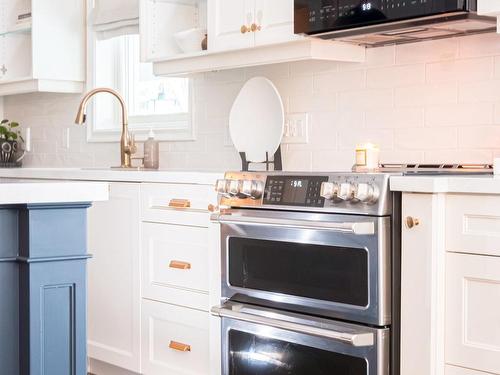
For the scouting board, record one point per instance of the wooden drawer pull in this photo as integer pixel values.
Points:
(180, 265)
(179, 346)
(179, 203)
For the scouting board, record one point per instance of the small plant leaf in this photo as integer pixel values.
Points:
(14, 124)
(4, 121)
(3, 130)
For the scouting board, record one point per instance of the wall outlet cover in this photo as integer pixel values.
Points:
(296, 128)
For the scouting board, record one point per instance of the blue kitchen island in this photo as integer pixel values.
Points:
(43, 256)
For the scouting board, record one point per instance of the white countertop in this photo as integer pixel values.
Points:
(14, 191)
(471, 184)
(161, 176)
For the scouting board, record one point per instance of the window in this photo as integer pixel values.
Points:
(159, 103)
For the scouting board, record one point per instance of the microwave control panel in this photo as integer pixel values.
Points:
(316, 16)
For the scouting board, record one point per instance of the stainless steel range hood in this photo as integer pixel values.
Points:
(415, 30)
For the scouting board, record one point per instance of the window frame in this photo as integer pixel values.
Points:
(180, 127)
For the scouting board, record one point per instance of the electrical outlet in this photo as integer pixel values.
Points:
(296, 128)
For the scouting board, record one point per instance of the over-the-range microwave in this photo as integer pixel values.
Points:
(375, 23)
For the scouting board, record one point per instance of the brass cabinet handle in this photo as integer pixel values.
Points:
(411, 222)
(179, 346)
(179, 203)
(255, 27)
(180, 265)
(244, 29)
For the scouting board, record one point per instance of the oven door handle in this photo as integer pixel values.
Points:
(361, 228)
(358, 339)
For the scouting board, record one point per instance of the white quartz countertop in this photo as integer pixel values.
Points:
(14, 191)
(472, 184)
(161, 176)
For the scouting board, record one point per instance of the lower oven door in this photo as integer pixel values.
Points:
(336, 266)
(263, 341)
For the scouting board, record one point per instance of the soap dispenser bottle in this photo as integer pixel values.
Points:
(151, 152)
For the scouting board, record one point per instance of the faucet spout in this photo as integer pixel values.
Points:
(127, 142)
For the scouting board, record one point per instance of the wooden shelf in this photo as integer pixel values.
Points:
(304, 49)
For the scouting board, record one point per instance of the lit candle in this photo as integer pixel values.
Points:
(367, 156)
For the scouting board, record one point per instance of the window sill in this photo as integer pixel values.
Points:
(172, 134)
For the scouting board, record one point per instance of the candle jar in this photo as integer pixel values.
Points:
(367, 156)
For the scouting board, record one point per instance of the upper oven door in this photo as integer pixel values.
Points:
(330, 265)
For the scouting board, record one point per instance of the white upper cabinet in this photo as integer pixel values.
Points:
(230, 23)
(240, 33)
(235, 24)
(42, 46)
(274, 20)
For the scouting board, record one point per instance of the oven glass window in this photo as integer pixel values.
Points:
(329, 273)
(255, 355)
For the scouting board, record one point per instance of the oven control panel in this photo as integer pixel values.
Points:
(295, 191)
(345, 192)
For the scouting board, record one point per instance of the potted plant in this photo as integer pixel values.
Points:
(10, 136)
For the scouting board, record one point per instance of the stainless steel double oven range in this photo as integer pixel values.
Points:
(310, 274)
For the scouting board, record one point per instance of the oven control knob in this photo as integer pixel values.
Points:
(234, 188)
(222, 187)
(346, 191)
(366, 193)
(251, 189)
(257, 189)
(329, 190)
(246, 188)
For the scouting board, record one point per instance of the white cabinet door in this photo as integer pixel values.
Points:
(114, 300)
(275, 19)
(488, 7)
(422, 286)
(175, 340)
(472, 312)
(175, 264)
(225, 20)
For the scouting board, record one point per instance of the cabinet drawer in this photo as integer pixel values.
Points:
(175, 264)
(473, 224)
(175, 340)
(163, 203)
(472, 312)
(453, 370)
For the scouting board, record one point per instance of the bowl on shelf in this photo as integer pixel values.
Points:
(190, 40)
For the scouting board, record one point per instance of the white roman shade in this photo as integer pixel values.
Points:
(113, 18)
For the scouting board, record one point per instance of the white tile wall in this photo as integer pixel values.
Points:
(429, 102)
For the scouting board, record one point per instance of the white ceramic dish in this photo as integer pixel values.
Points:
(190, 40)
(257, 119)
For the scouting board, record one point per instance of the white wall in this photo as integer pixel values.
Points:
(428, 102)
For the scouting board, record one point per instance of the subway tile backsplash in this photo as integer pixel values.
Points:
(430, 102)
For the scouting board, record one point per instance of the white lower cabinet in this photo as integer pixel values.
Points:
(174, 264)
(450, 309)
(454, 370)
(473, 312)
(114, 295)
(149, 280)
(175, 340)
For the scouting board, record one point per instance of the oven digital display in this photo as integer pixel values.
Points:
(295, 191)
